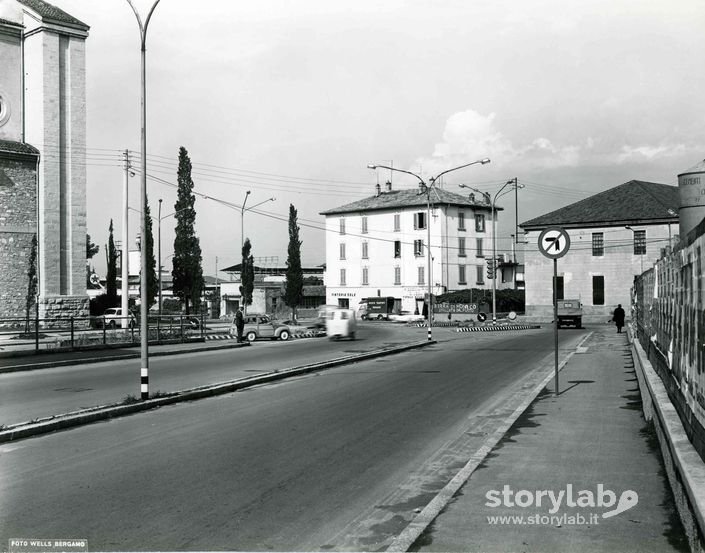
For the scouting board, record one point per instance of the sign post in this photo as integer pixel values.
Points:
(554, 242)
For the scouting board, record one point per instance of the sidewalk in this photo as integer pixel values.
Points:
(592, 436)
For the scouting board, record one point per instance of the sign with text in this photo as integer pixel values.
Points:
(448, 307)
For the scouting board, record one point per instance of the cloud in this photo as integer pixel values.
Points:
(632, 154)
(470, 135)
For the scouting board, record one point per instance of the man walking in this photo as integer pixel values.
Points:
(618, 318)
(239, 324)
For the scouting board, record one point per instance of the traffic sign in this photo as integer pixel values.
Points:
(554, 242)
(95, 279)
(481, 317)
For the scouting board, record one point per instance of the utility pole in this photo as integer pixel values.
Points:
(124, 298)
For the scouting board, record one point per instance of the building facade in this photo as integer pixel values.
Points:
(379, 247)
(615, 235)
(42, 158)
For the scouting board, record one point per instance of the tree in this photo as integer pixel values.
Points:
(32, 281)
(187, 271)
(247, 274)
(91, 250)
(294, 291)
(152, 280)
(111, 276)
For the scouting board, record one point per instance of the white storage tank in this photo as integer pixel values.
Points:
(691, 188)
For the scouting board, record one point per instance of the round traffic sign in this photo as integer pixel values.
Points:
(95, 279)
(554, 242)
(481, 317)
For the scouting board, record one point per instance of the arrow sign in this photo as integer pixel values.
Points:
(554, 242)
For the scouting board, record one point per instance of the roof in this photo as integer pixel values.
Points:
(629, 202)
(50, 12)
(395, 199)
(272, 270)
(18, 147)
(11, 23)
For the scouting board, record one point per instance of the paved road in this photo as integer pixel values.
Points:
(335, 460)
(25, 396)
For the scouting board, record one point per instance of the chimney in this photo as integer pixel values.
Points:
(388, 186)
(378, 190)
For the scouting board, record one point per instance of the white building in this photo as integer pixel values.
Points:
(614, 236)
(378, 246)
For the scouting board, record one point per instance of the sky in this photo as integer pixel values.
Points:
(292, 100)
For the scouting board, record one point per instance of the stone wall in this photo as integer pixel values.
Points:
(18, 223)
(57, 311)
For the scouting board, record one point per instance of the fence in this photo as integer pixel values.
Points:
(86, 332)
(668, 308)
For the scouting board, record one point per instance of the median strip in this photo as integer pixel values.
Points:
(104, 412)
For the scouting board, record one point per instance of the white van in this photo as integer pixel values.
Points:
(341, 323)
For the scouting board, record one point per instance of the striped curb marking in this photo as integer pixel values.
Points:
(495, 328)
(292, 336)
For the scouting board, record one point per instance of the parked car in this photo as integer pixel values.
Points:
(570, 312)
(341, 323)
(112, 318)
(406, 317)
(261, 326)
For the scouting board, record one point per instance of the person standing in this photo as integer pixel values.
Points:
(239, 324)
(618, 318)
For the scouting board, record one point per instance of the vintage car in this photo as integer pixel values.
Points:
(262, 326)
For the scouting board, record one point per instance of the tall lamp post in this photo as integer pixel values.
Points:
(427, 190)
(144, 333)
(242, 216)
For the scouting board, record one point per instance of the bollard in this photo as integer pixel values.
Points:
(202, 324)
(104, 340)
(182, 328)
(36, 325)
(72, 346)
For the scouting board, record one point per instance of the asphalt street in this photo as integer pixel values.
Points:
(335, 460)
(25, 396)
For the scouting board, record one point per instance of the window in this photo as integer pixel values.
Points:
(422, 271)
(559, 288)
(365, 276)
(461, 220)
(480, 274)
(342, 226)
(598, 244)
(639, 242)
(397, 222)
(598, 290)
(364, 251)
(461, 274)
(479, 222)
(364, 224)
(478, 252)
(342, 251)
(397, 276)
(418, 248)
(342, 277)
(420, 220)
(461, 247)
(397, 248)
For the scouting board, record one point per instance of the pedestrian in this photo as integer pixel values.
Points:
(239, 324)
(618, 318)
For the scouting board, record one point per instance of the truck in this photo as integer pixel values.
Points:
(570, 312)
(377, 308)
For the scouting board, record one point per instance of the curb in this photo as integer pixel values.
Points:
(117, 357)
(685, 462)
(493, 328)
(428, 514)
(104, 412)
(292, 336)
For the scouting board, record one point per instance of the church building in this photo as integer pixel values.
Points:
(42, 158)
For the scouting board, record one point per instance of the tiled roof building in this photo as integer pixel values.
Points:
(614, 235)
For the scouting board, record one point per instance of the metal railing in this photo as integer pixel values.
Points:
(74, 333)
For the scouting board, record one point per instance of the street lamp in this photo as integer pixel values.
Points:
(144, 333)
(494, 247)
(242, 216)
(427, 190)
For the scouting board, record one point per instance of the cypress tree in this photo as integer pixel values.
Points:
(294, 291)
(32, 281)
(111, 276)
(247, 274)
(148, 250)
(187, 272)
